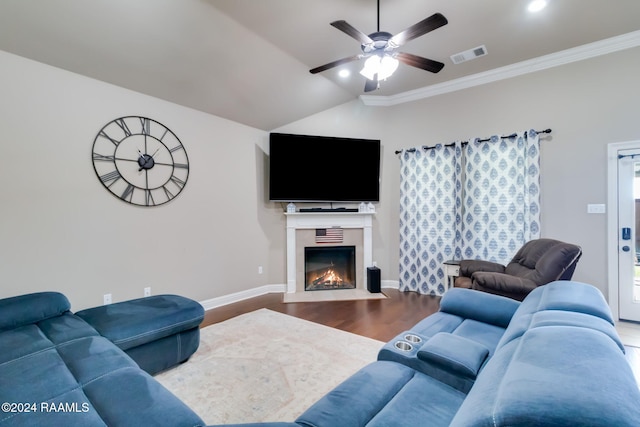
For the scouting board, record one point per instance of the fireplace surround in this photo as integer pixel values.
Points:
(301, 232)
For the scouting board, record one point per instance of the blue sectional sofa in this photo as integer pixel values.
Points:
(554, 359)
(57, 370)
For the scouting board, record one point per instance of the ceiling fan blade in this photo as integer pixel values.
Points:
(335, 64)
(431, 23)
(371, 85)
(346, 28)
(420, 62)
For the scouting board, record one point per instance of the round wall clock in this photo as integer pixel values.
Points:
(140, 161)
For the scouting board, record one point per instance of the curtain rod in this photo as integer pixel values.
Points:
(425, 147)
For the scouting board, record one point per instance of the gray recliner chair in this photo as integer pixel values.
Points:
(537, 263)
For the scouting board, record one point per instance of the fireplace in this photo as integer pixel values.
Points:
(329, 268)
(302, 232)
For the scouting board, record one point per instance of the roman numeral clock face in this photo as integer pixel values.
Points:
(140, 161)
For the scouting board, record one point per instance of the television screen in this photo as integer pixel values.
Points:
(304, 168)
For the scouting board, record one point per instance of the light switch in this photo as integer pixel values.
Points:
(596, 208)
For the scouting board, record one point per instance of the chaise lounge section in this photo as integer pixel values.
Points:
(157, 332)
(57, 370)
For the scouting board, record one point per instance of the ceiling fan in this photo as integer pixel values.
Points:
(380, 49)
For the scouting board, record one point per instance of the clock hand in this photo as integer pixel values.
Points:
(144, 160)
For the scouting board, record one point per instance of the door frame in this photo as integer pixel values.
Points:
(612, 222)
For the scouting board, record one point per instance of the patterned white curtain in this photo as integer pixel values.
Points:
(501, 204)
(429, 220)
(480, 200)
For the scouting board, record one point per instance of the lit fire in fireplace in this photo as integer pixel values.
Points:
(328, 278)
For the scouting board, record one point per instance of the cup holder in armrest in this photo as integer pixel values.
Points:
(403, 346)
(413, 338)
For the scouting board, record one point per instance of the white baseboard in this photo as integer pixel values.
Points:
(263, 290)
(393, 284)
(243, 295)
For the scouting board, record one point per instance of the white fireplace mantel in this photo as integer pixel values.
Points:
(312, 220)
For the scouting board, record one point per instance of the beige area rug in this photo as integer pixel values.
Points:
(330, 295)
(266, 366)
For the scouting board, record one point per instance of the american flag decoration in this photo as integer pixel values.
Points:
(329, 235)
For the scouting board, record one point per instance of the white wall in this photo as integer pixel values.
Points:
(62, 230)
(587, 104)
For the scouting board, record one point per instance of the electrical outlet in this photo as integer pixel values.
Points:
(147, 291)
(259, 269)
(106, 299)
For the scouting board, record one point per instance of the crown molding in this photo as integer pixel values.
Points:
(587, 51)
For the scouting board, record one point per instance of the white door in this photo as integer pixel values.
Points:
(628, 234)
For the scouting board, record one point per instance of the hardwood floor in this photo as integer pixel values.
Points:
(378, 319)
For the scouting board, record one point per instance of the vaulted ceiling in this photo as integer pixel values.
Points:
(249, 60)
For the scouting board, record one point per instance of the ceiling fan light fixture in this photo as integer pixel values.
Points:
(388, 66)
(383, 67)
(371, 67)
(537, 5)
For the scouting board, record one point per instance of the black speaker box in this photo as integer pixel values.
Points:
(373, 279)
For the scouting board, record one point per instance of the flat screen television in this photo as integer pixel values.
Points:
(305, 168)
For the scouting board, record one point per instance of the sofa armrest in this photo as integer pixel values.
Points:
(454, 354)
(358, 399)
(31, 308)
(483, 307)
(503, 282)
(470, 266)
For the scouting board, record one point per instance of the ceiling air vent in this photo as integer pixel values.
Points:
(468, 55)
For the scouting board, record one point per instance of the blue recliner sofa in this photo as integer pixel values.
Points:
(554, 359)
